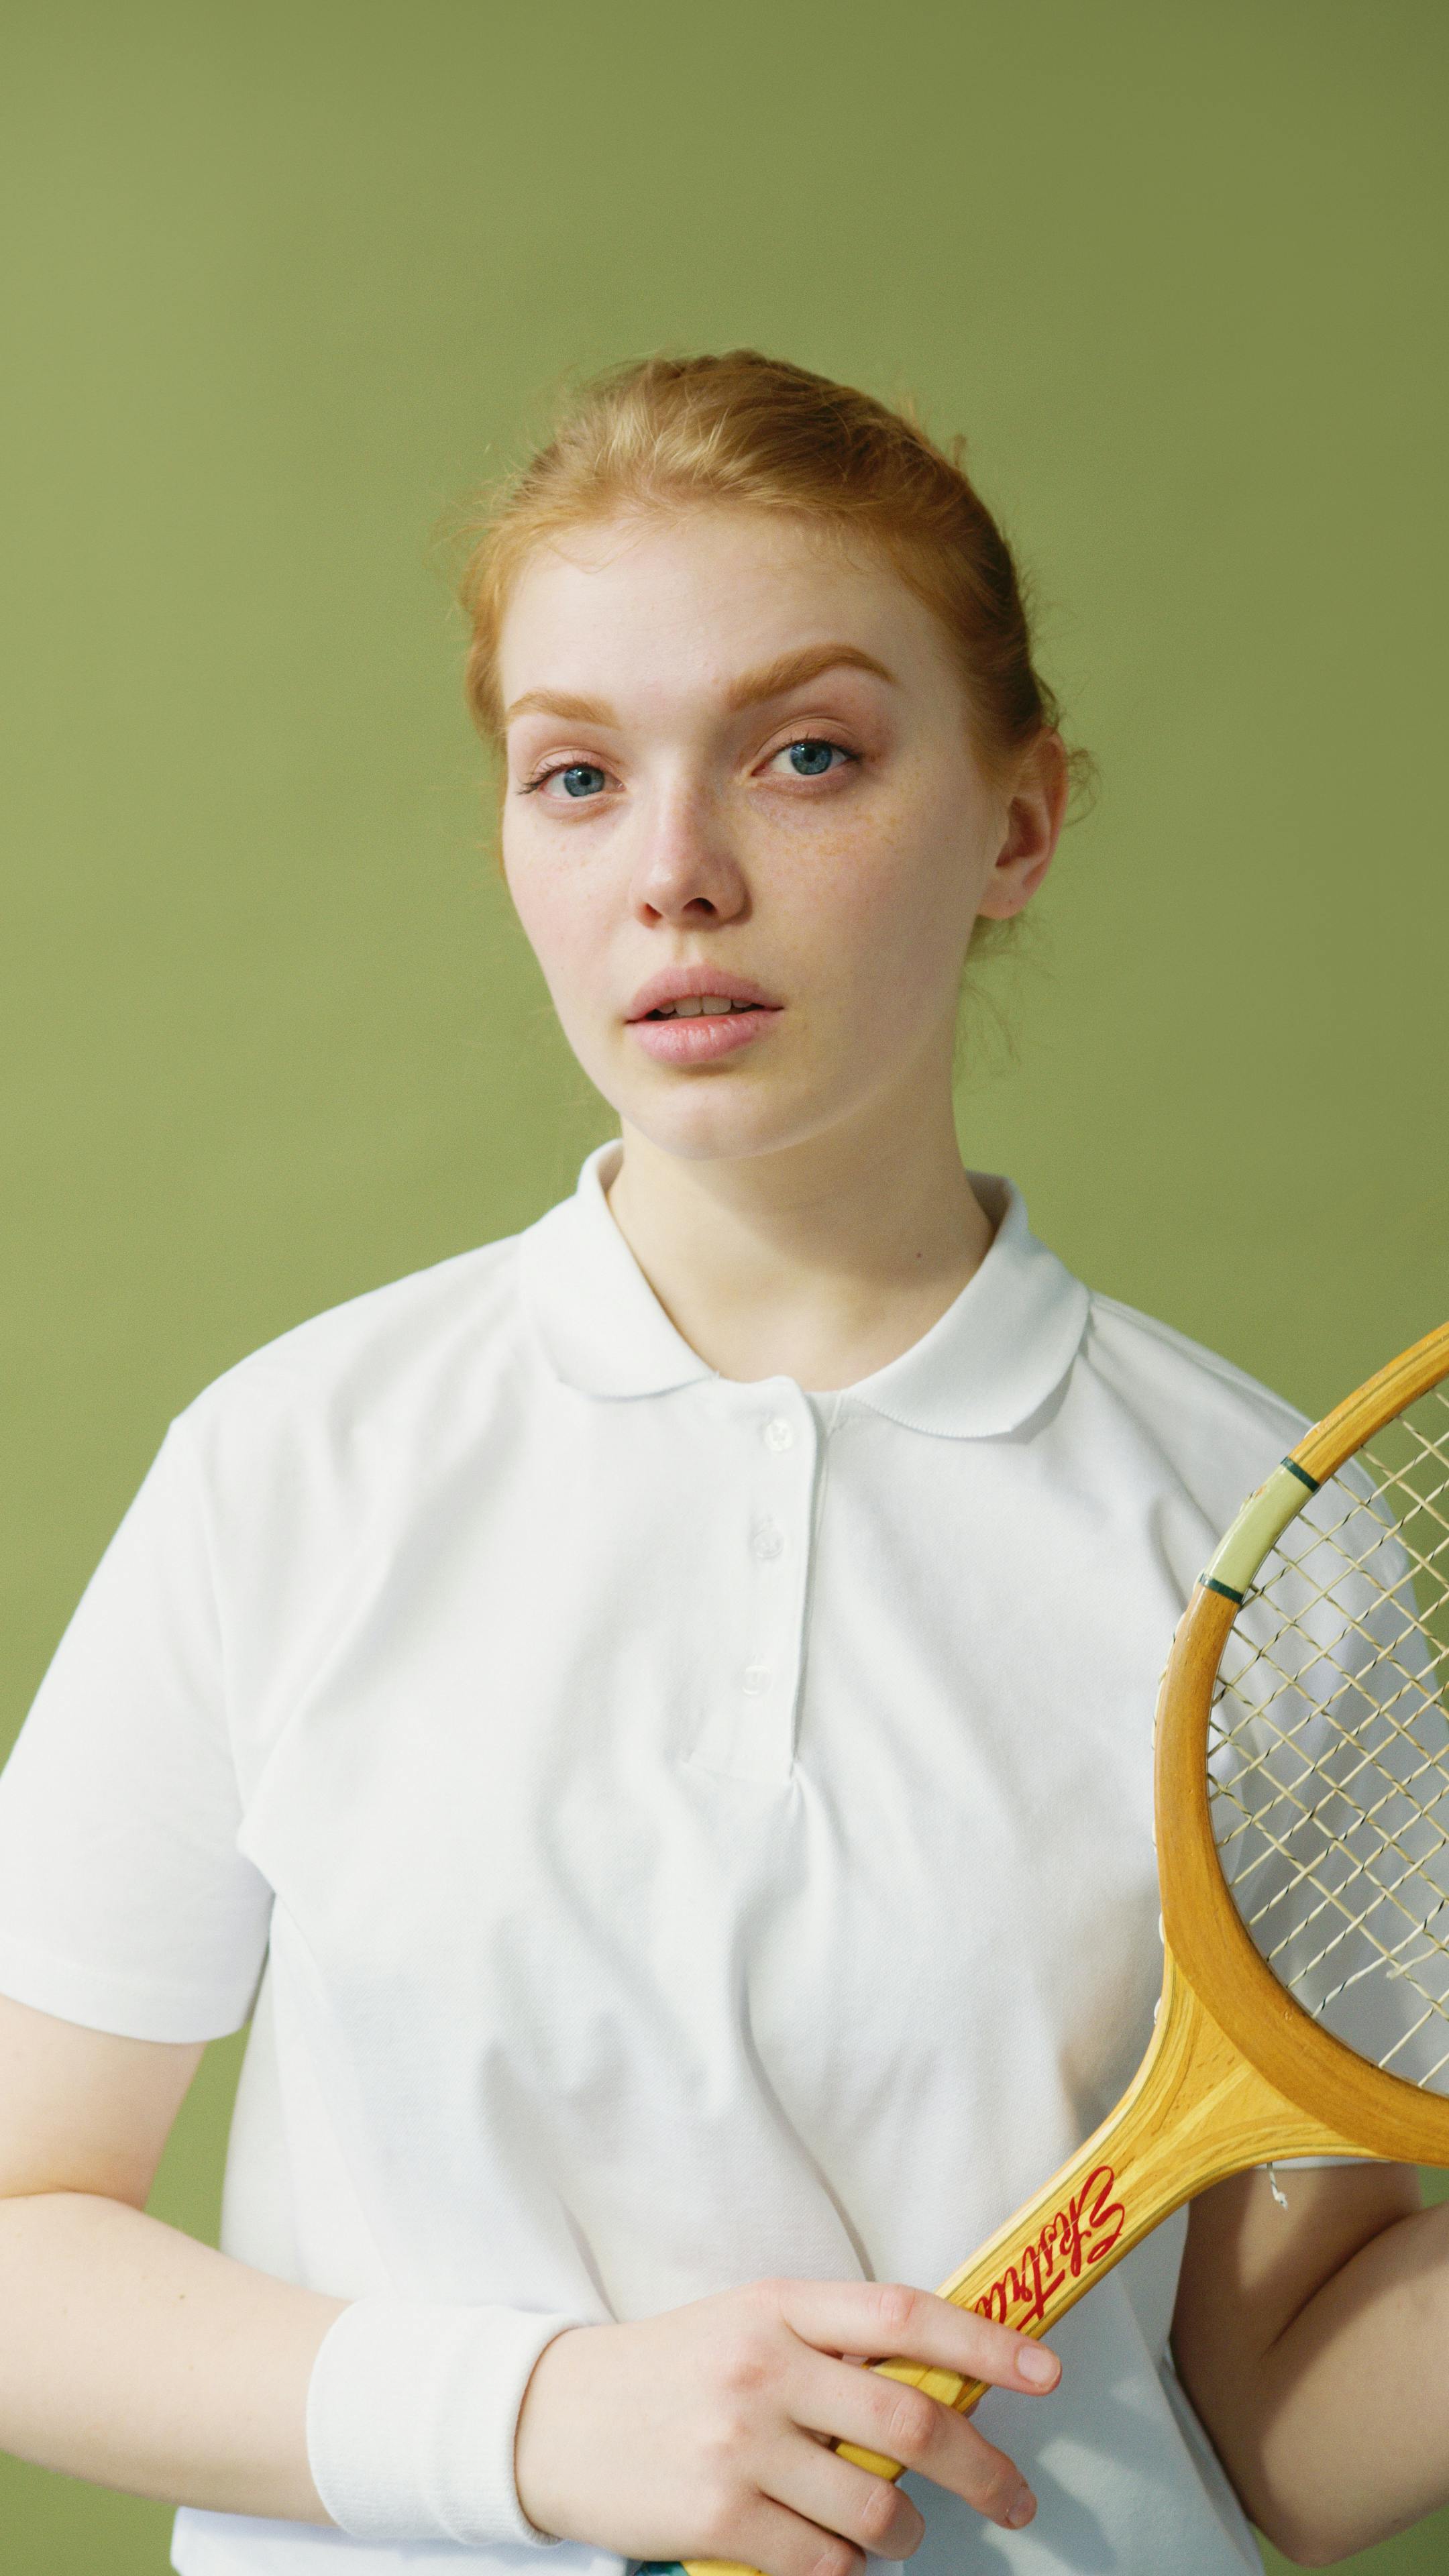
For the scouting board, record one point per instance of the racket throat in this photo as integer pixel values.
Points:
(1196, 2113)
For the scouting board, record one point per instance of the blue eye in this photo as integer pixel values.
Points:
(582, 778)
(811, 759)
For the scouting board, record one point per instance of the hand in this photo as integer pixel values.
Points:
(703, 2433)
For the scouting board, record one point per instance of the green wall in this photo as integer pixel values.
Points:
(284, 281)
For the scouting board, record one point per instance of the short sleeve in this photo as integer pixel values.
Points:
(125, 1903)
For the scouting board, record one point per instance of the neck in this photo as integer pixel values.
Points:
(821, 1261)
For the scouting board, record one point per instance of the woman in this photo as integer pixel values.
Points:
(655, 1714)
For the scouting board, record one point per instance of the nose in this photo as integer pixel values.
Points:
(687, 874)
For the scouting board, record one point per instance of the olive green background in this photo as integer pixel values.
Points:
(283, 282)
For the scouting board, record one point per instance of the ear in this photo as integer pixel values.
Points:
(1036, 809)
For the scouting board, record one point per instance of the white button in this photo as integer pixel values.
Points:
(779, 1434)
(767, 1539)
(756, 1680)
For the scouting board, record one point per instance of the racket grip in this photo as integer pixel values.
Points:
(961, 2394)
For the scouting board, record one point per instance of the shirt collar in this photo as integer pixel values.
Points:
(987, 1364)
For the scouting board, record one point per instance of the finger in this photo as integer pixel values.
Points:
(781, 2543)
(828, 2490)
(887, 2319)
(901, 2423)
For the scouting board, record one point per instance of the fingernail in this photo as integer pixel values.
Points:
(1034, 2364)
(1022, 2511)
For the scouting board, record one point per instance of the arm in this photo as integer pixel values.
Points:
(131, 2355)
(137, 2358)
(1312, 2343)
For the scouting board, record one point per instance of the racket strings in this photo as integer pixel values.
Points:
(1329, 1752)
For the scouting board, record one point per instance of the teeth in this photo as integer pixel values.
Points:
(708, 1005)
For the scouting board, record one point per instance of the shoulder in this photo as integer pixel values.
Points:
(1215, 1428)
(418, 1349)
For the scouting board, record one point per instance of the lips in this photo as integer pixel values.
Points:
(693, 1015)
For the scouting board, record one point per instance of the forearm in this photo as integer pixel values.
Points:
(134, 2357)
(1339, 2435)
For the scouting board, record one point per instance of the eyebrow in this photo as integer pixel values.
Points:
(772, 680)
(557, 702)
(792, 670)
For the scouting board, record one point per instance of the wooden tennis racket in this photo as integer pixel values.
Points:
(1302, 1804)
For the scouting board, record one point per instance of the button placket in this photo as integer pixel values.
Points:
(750, 1732)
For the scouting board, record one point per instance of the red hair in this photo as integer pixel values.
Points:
(746, 429)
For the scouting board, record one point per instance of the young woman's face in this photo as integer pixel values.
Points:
(744, 827)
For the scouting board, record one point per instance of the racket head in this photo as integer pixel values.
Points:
(1302, 1787)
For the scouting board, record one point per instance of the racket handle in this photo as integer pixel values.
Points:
(1195, 2112)
(962, 2394)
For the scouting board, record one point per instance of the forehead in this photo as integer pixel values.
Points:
(696, 596)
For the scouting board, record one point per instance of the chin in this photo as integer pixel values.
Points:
(720, 1130)
(722, 1113)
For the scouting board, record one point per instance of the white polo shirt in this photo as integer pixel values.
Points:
(671, 1830)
